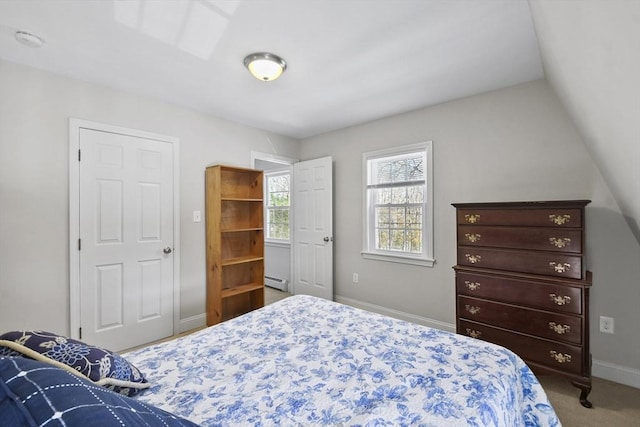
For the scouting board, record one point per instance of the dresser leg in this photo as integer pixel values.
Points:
(585, 390)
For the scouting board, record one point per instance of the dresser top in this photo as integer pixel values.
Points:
(525, 204)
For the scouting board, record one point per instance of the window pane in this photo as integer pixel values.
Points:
(382, 217)
(399, 195)
(415, 194)
(382, 172)
(383, 196)
(282, 231)
(397, 240)
(388, 171)
(415, 168)
(279, 231)
(414, 241)
(393, 169)
(278, 203)
(279, 198)
(397, 218)
(273, 231)
(278, 183)
(382, 239)
(398, 170)
(279, 216)
(414, 217)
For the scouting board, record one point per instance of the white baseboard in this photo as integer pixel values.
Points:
(616, 373)
(432, 323)
(600, 369)
(193, 322)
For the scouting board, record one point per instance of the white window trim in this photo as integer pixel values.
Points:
(426, 259)
(270, 241)
(276, 243)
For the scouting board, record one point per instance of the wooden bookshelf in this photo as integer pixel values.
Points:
(235, 242)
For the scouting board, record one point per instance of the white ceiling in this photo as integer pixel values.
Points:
(349, 61)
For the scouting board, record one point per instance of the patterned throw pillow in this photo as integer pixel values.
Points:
(34, 393)
(101, 366)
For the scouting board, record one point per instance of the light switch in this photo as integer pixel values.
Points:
(197, 216)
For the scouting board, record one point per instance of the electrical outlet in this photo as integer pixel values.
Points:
(355, 277)
(606, 324)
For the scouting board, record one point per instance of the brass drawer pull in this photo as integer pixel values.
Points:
(473, 237)
(559, 329)
(472, 218)
(560, 357)
(560, 299)
(559, 242)
(472, 286)
(559, 267)
(559, 219)
(472, 309)
(473, 259)
(473, 333)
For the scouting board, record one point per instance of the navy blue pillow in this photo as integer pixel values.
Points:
(101, 366)
(34, 393)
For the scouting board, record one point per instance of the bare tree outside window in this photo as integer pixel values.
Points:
(397, 208)
(278, 205)
(399, 202)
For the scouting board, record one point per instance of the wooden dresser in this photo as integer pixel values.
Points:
(521, 283)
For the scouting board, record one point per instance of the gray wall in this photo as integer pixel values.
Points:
(513, 144)
(34, 149)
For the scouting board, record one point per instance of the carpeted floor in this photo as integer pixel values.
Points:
(614, 405)
(272, 295)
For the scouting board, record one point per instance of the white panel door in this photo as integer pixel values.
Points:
(313, 228)
(126, 239)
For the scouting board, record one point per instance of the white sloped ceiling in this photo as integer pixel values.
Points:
(591, 56)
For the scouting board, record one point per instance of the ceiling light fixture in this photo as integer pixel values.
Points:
(265, 66)
(28, 39)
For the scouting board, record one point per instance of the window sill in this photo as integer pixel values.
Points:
(400, 259)
(277, 243)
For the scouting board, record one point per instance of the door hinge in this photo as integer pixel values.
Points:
(79, 244)
(79, 333)
(79, 156)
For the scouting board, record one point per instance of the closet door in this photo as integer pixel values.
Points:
(126, 242)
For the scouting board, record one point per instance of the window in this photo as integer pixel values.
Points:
(277, 195)
(398, 205)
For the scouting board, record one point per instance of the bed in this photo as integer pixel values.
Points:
(308, 361)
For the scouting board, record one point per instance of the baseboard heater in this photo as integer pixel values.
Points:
(275, 282)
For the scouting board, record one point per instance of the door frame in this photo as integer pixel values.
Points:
(75, 125)
(285, 161)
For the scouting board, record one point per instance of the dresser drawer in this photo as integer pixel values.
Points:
(558, 217)
(545, 352)
(545, 263)
(536, 238)
(555, 326)
(531, 293)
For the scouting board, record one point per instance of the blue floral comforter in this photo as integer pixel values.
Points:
(307, 361)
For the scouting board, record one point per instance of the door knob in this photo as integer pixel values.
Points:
(167, 250)
(328, 239)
